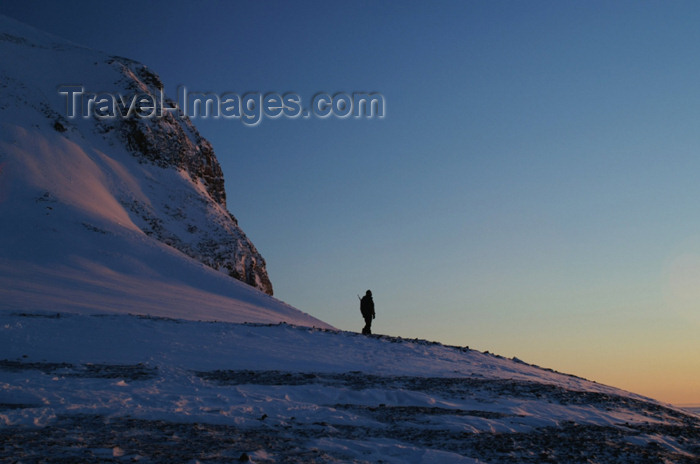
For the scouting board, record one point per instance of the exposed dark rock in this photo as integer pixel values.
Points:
(168, 140)
(171, 141)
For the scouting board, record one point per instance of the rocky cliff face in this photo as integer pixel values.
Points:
(169, 139)
(160, 170)
(172, 141)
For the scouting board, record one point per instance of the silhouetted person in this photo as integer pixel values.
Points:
(367, 310)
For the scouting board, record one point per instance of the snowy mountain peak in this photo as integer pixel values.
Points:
(204, 229)
(111, 201)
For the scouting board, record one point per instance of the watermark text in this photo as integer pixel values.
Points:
(250, 107)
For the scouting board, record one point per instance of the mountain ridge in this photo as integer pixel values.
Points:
(31, 98)
(114, 215)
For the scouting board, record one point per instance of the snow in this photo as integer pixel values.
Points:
(89, 228)
(349, 397)
(116, 345)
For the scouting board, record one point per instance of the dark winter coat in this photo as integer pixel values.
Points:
(367, 307)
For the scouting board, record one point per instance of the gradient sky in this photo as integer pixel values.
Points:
(532, 191)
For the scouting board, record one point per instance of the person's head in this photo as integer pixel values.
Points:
(369, 293)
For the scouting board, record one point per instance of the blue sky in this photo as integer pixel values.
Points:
(532, 189)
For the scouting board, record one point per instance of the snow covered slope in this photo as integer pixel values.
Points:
(117, 254)
(114, 214)
(118, 388)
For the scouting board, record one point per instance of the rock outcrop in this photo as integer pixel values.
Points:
(174, 192)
